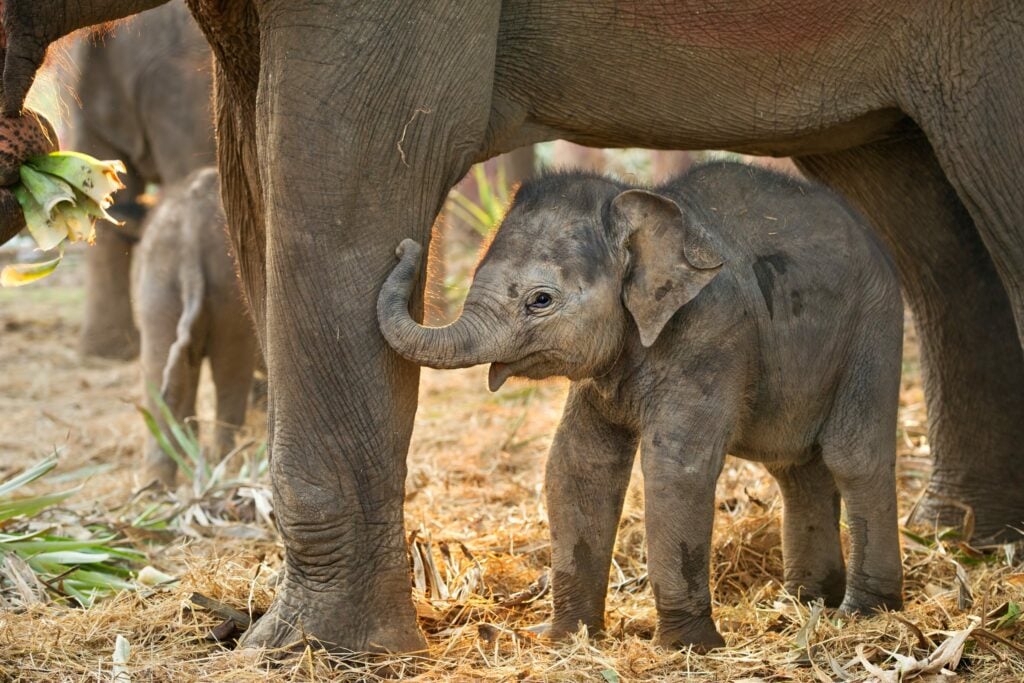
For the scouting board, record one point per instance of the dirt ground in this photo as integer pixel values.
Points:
(474, 488)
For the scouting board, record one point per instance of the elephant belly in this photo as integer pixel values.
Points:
(668, 83)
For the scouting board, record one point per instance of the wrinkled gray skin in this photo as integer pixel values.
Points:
(145, 99)
(189, 305)
(732, 310)
(342, 126)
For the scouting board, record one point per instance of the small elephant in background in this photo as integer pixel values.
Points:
(731, 310)
(189, 306)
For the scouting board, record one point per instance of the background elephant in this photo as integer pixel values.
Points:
(341, 127)
(145, 99)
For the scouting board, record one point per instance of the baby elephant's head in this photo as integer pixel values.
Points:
(550, 296)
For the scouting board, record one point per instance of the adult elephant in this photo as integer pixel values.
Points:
(145, 95)
(341, 126)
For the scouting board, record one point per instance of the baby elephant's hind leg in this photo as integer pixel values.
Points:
(859, 447)
(232, 353)
(812, 551)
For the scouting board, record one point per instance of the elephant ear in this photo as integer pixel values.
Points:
(671, 258)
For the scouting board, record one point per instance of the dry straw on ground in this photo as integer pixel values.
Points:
(476, 517)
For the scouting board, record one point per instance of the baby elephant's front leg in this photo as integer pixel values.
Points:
(586, 480)
(679, 487)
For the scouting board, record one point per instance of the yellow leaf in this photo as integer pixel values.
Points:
(18, 274)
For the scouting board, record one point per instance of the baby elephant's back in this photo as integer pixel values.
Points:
(811, 276)
(206, 228)
(794, 243)
(185, 254)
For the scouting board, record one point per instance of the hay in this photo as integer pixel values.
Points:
(476, 510)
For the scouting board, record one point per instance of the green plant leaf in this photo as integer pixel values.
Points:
(84, 569)
(27, 507)
(47, 190)
(184, 436)
(18, 274)
(917, 538)
(47, 231)
(72, 557)
(27, 476)
(472, 213)
(1013, 613)
(90, 176)
(165, 445)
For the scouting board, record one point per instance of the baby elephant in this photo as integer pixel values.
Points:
(189, 306)
(732, 310)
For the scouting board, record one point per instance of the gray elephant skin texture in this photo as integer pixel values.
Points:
(732, 310)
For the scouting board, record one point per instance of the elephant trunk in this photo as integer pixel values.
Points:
(27, 27)
(458, 345)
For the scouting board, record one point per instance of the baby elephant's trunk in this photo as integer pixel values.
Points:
(458, 345)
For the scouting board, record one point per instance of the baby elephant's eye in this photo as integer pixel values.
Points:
(538, 301)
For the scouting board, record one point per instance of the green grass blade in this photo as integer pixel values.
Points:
(184, 436)
(478, 215)
(483, 187)
(31, 474)
(165, 445)
(72, 557)
(27, 507)
(52, 545)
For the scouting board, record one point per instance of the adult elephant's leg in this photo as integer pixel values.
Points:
(366, 115)
(973, 366)
(108, 327)
(968, 96)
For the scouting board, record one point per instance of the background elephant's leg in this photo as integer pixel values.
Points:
(972, 363)
(366, 117)
(108, 328)
(159, 307)
(232, 352)
(585, 483)
(812, 552)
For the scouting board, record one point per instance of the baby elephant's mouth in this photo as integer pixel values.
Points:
(497, 374)
(537, 365)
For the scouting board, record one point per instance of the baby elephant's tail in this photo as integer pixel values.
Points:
(185, 352)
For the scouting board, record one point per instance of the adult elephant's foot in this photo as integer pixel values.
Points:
(114, 343)
(564, 628)
(300, 616)
(698, 633)
(830, 589)
(990, 510)
(860, 601)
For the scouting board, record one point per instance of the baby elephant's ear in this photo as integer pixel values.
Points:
(671, 258)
